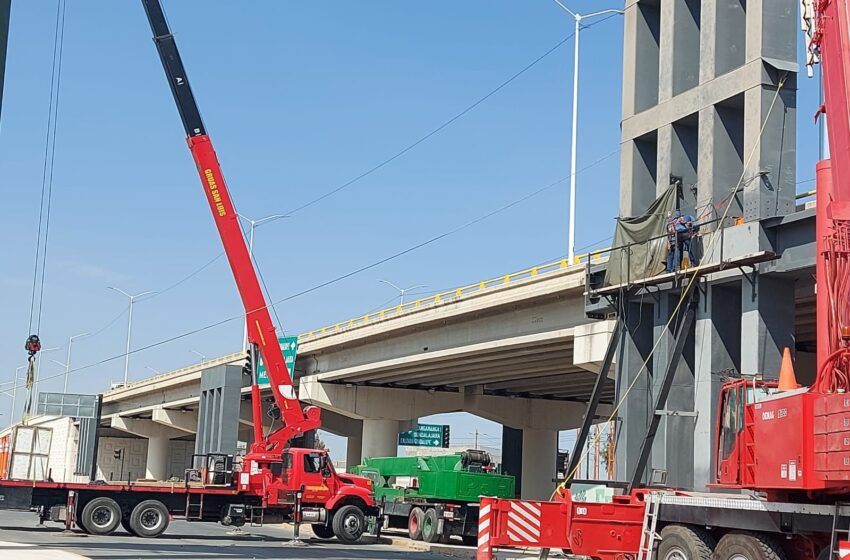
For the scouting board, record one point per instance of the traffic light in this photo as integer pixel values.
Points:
(445, 437)
(248, 368)
(117, 453)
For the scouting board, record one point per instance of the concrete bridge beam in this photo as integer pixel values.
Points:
(186, 421)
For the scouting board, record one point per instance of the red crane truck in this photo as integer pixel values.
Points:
(782, 474)
(276, 482)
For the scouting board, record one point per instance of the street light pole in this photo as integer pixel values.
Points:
(571, 253)
(37, 372)
(402, 291)
(14, 395)
(253, 224)
(68, 359)
(132, 299)
(203, 358)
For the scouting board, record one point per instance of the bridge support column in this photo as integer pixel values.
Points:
(156, 466)
(539, 455)
(159, 442)
(354, 451)
(380, 438)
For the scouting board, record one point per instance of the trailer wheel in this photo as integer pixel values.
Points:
(101, 516)
(414, 524)
(348, 524)
(679, 542)
(149, 519)
(430, 524)
(322, 531)
(742, 545)
(125, 523)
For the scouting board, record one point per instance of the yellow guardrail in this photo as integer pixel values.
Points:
(455, 294)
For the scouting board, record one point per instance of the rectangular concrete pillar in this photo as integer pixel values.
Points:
(717, 350)
(633, 416)
(380, 438)
(512, 455)
(353, 451)
(219, 409)
(539, 456)
(156, 467)
(767, 323)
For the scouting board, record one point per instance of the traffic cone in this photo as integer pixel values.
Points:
(787, 379)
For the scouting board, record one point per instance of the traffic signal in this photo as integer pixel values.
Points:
(445, 437)
(248, 368)
(117, 453)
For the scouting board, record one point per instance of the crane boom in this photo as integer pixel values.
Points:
(261, 331)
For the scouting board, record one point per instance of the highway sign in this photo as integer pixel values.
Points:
(426, 435)
(289, 345)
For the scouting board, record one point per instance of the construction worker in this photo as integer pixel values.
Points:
(673, 257)
(681, 238)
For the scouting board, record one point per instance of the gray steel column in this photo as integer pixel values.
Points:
(767, 323)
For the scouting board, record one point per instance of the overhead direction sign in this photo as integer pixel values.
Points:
(289, 346)
(426, 435)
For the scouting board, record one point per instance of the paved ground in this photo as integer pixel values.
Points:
(183, 541)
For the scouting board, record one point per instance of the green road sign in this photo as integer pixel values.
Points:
(289, 345)
(426, 435)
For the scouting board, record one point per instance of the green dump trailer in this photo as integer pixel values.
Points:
(435, 497)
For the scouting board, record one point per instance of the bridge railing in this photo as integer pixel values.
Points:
(457, 293)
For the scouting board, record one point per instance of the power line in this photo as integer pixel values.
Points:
(436, 130)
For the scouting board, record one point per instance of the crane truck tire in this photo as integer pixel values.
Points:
(101, 516)
(149, 519)
(348, 524)
(414, 524)
(742, 545)
(322, 531)
(680, 542)
(430, 526)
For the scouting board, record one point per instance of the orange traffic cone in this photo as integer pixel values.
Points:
(787, 379)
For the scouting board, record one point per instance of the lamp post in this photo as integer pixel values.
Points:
(14, 394)
(37, 372)
(68, 359)
(402, 291)
(203, 358)
(132, 299)
(254, 224)
(578, 19)
(154, 370)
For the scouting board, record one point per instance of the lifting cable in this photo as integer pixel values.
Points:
(694, 277)
(33, 344)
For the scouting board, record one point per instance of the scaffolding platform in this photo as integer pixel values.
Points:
(678, 278)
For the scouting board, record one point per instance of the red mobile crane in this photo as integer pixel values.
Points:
(784, 453)
(277, 482)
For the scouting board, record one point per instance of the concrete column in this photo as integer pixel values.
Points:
(767, 323)
(156, 467)
(380, 438)
(633, 416)
(539, 455)
(718, 348)
(354, 451)
(512, 455)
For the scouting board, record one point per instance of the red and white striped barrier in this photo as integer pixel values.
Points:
(485, 513)
(844, 550)
(523, 525)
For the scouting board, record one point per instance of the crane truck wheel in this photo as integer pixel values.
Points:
(149, 519)
(414, 524)
(348, 524)
(430, 524)
(322, 531)
(101, 516)
(679, 542)
(740, 545)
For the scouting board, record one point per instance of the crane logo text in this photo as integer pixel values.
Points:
(219, 206)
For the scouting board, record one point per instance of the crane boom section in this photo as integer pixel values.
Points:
(261, 330)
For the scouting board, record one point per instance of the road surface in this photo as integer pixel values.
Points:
(184, 541)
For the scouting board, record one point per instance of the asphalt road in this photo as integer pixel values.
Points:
(187, 541)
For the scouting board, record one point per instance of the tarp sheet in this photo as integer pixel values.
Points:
(640, 248)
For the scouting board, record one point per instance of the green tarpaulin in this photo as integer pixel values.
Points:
(640, 248)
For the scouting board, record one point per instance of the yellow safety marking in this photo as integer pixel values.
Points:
(262, 336)
(436, 298)
(534, 271)
(459, 292)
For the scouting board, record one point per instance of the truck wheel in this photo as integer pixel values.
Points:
(149, 519)
(430, 523)
(125, 522)
(322, 531)
(348, 524)
(101, 516)
(414, 524)
(469, 540)
(679, 542)
(742, 545)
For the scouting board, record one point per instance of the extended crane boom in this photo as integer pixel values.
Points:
(261, 330)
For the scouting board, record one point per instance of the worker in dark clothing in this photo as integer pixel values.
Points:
(681, 238)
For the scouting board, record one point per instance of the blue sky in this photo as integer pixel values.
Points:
(299, 98)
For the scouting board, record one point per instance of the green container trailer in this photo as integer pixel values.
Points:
(435, 497)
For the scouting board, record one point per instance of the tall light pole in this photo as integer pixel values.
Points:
(154, 370)
(15, 394)
(203, 358)
(37, 372)
(254, 224)
(132, 299)
(571, 252)
(68, 358)
(402, 291)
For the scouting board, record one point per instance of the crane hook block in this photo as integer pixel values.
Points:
(33, 345)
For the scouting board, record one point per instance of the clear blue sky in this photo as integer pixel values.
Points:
(299, 97)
